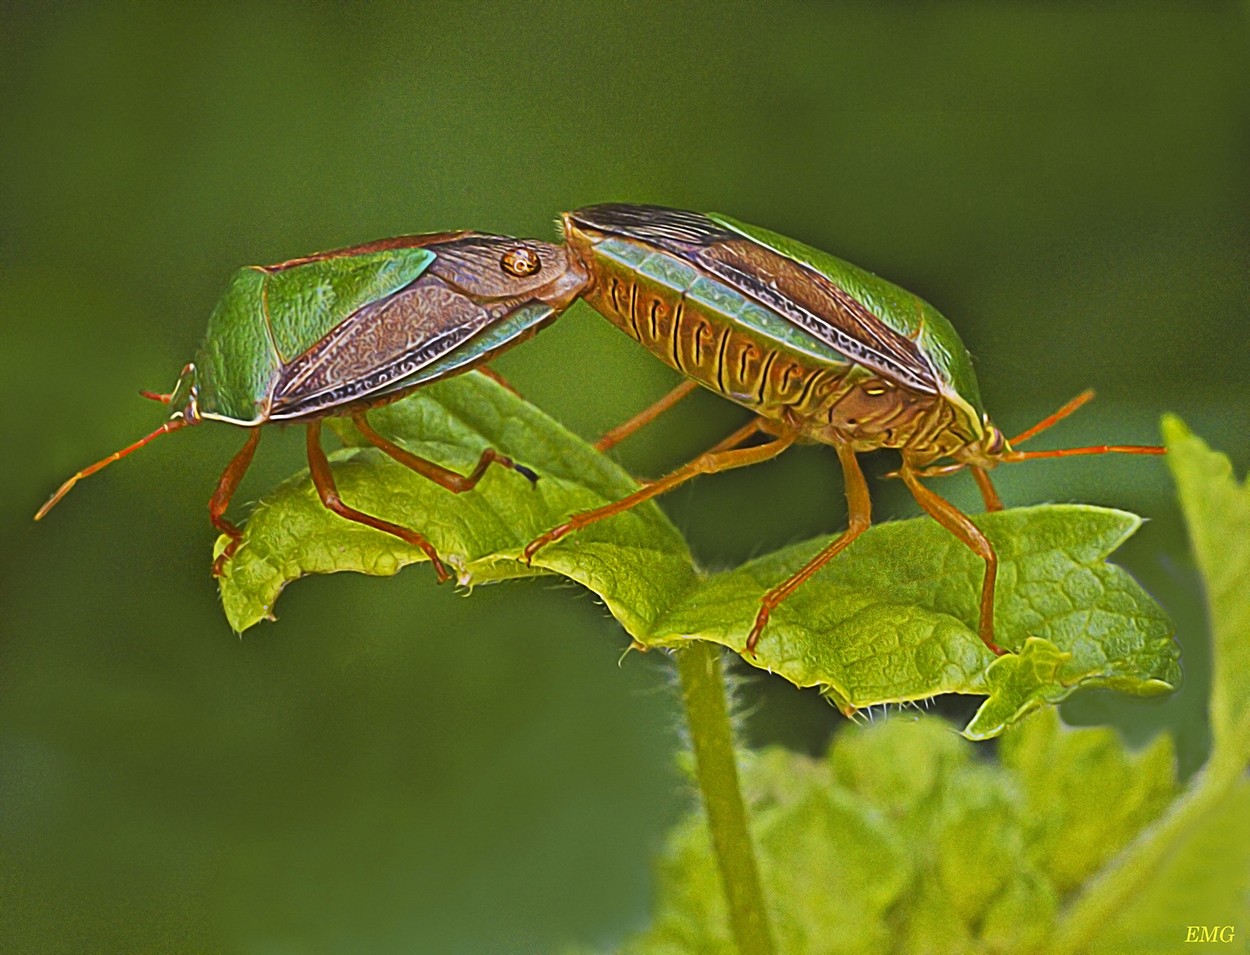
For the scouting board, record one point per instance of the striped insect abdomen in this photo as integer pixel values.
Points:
(709, 332)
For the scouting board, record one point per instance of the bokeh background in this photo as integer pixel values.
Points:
(393, 767)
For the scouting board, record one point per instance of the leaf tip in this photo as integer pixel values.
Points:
(1159, 686)
(1174, 429)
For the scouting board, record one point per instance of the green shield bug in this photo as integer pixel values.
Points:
(821, 351)
(339, 332)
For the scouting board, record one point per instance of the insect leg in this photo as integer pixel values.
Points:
(955, 521)
(622, 431)
(497, 378)
(456, 483)
(992, 501)
(220, 500)
(859, 509)
(723, 457)
(323, 481)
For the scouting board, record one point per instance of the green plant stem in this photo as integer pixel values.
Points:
(711, 735)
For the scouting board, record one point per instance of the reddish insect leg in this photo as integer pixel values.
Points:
(220, 500)
(497, 378)
(955, 521)
(723, 457)
(859, 510)
(646, 416)
(323, 481)
(456, 483)
(992, 501)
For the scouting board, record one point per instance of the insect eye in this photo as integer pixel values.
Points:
(520, 262)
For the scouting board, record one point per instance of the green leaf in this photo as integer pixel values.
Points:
(1202, 881)
(1019, 682)
(1085, 795)
(893, 619)
(1069, 843)
(638, 562)
(831, 866)
(1217, 512)
(1190, 867)
(902, 839)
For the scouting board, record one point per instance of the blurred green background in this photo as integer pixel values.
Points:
(391, 767)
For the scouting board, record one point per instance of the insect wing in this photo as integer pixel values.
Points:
(306, 300)
(908, 339)
(512, 329)
(791, 300)
(478, 295)
(378, 347)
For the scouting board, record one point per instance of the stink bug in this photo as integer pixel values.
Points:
(821, 351)
(339, 332)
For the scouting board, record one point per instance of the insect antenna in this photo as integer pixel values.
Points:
(173, 424)
(1094, 449)
(1083, 398)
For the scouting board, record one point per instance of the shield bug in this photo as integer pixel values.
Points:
(821, 351)
(339, 332)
